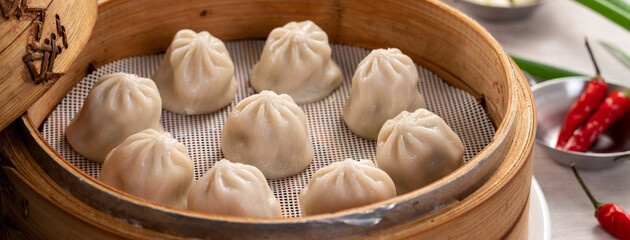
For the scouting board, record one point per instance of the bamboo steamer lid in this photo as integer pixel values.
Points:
(40, 40)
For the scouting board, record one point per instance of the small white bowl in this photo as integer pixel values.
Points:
(495, 13)
(553, 99)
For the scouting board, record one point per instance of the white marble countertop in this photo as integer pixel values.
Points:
(554, 34)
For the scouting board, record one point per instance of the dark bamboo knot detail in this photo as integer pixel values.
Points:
(45, 51)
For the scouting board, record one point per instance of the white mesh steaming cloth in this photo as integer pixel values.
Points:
(332, 139)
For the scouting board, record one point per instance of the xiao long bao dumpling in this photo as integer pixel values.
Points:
(384, 84)
(270, 132)
(296, 60)
(343, 185)
(418, 148)
(196, 75)
(151, 165)
(118, 105)
(234, 189)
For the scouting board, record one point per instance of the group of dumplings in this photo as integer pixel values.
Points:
(266, 135)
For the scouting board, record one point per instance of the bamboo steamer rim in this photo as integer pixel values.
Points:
(504, 130)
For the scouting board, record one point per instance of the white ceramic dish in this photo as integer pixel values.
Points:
(539, 221)
(500, 14)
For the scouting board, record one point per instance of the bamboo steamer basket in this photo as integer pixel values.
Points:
(487, 198)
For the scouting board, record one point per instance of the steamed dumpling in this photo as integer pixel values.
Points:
(268, 131)
(196, 75)
(418, 148)
(118, 105)
(234, 189)
(384, 84)
(151, 165)
(343, 185)
(296, 60)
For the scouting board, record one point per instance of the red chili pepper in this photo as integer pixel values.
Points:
(585, 105)
(614, 220)
(614, 106)
(595, 91)
(610, 216)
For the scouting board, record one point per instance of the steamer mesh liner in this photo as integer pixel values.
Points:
(331, 138)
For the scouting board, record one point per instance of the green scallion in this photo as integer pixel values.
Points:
(615, 10)
(543, 71)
